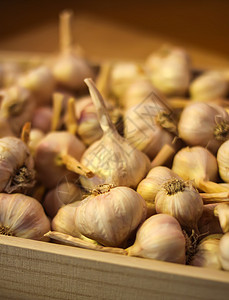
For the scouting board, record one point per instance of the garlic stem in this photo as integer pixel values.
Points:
(215, 197)
(57, 107)
(73, 165)
(163, 156)
(103, 79)
(66, 37)
(211, 187)
(104, 118)
(178, 103)
(73, 241)
(71, 122)
(25, 135)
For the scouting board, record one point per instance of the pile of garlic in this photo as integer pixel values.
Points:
(126, 166)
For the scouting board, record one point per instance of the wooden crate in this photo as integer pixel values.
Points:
(38, 270)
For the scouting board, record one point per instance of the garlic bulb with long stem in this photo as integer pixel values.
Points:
(57, 153)
(22, 216)
(160, 237)
(17, 172)
(70, 69)
(65, 193)
(200, 165)
(224, 251)
(207, 253)
(112, 159)
(222, 159)
(182, 201)
(17, 107)
(209, 86)
(222, 212)
(169, 70)
(110, 215)
(149, 125)
(206, 125)
(150, 186)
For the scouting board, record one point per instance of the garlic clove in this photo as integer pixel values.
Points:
(209, 86)
(22, 216)
(224, 251)
(110, 215)
(222, 212)
(160, 237)
(112, 159)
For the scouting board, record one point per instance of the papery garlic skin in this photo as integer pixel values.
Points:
(222, 211)
(160, 237)
(207, 254)
(16, 166)
(204, 125)
(169, 70)
(209, 86)
(222, 159)
(49, 172)
(143, 127)
(64, 220)
(224, 251)
(64, 193)
(195, 163)
(180, 200)
(149, 186)
(111, 217)
(22, 216)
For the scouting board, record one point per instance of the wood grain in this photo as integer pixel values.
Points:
(39, 270)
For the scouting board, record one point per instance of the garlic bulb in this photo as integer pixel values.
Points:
(150, 186)
(35, 136)
(64, 220)
(42, 118)
(17, 107)
(64, 193)
(222, 159)
(112, 159)
(169, 70)
(208, 222)
(224, 251)
(209, 86)
(200, 165)
(122, 75)
(40, 82)
(16, 166)
(110, 215)
(222, 211)
(204, 125)
(207, 253)
(55, 147)
(137, 92)
(149, 125)
(160, 237)
(70, 69)
(180, 200)
(22, 216)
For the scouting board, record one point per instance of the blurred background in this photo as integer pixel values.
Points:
(120, 29)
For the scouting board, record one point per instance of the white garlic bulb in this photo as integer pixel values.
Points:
(160, 237)
(209, 86)
(222, 211)
(16, 166)
(204, 125)
(222, 159)
(112, 159)
(169, 69)
(224, 251)
(207, 253)
(180, 200)
(148, 126)
(22, 216)
(110, 215)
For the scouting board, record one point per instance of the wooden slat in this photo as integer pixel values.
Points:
(39, 270)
